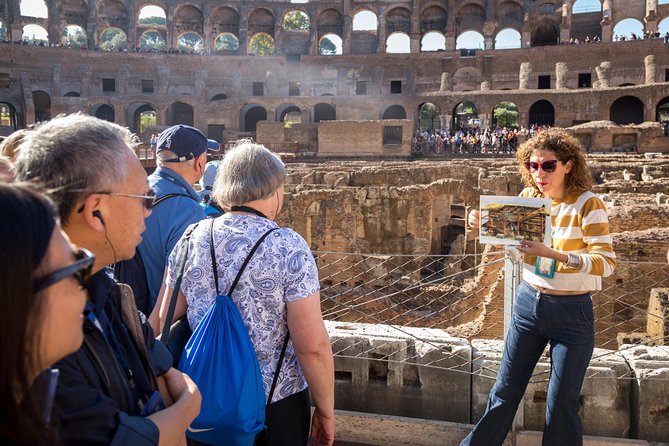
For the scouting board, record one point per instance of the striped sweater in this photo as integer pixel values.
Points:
(580, 225)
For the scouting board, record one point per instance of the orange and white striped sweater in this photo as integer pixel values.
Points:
(580, 225)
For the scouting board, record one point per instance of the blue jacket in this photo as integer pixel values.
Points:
(166, 224)
(103, 386)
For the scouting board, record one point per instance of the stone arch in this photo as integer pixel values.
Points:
(394, 112)
(286, 109)
(433, 18)
(261, 20)
(226, 42)
(190, 42)
(324, 112)
(74, 12)
(112, 14)
(428, 116)
(470, 17)
(261, 44)
(152, 15)
(433, 41)
(398, 20)
(662, 110)
(663, 26)
(470, 40)
(72, 94)
(141, 116)
(585, 6)
(508, 34)
(505, 114)
(179, 113)
(510, 14)
(104, 111)
(330, 21)
(188, 18)
(37, 6)
(634, 24)
(218, 97)
(398, 42)
(152, 40)
(73, 36)
(330, 44)
(35, 34)
(251, 115)
(627, 110)
(296, 20)
(542, 112)
(113, 39)
(362, 20)
(465, 115)
(546, 32)
(8, 116)
(42, 103)
(225, 19)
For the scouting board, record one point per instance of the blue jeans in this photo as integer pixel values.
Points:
(567, 323)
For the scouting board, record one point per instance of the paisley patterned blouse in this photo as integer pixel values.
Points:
(281, 270)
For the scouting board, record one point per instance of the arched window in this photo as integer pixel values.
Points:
(191, 42)
(261, 44)
(507, 38)
(469, 40)
(290, 115)
(466, 115)
(152, 16)
(627, 110)
(219, 97)
(547, 32)
(505, 114)
(226, 42)
(3, 32)
(151, 41)
(433, 41)
(73, 36)
(296, 21)
(394, 112)
(253, 116)
(35, 34)
(8, 116)
(398, 43)
(428, 116)
(627, 29)
(663, 110)
(663, 26)
(365, 21)
(324, 112)
(105, 112)
(542, 113)
(146, 118)
(42, 103)
(330, 45)
(585, 6)
(180, 113)
(34, 8)
(113, 39)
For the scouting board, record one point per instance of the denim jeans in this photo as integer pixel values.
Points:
(567, 323)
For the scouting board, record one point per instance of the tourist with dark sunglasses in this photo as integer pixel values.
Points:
(552, 305)
(114, 389)
(41, 310)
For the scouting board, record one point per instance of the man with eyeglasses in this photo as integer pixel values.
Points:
(181, 155)
(114, 389)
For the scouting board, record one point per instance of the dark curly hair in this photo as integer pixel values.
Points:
(566, 148)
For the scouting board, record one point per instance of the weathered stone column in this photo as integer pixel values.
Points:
(565, 26)
(85, 82)
(55, 80)
(415, 35)
(123, 75)
(381, 32)
(446, 82)
(524, 76)
(651, 69)
(651, 15)
(603, 74)
(561, 74)
(607, 27)
(54, 22)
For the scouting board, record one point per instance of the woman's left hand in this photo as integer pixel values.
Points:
(534, 248)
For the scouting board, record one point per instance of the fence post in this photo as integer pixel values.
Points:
(513, 271)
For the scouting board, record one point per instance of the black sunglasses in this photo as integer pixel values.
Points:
(546, 166)
(81, 270)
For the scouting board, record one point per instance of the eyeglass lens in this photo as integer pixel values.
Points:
(546, 166)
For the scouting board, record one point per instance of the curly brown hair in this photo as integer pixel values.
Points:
(566, 148)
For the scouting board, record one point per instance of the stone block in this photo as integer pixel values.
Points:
(392, 370)
(650, 391)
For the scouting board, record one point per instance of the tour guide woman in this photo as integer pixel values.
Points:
(278, 291)
(553, 307)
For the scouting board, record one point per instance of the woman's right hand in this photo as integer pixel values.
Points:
(474, 219)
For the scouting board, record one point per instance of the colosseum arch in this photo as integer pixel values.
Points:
(398, 42)
(470, 17)
(433, 41)
(510, 14)
(218, 97)
(364, 35)
(8, 116)
(190, 42)
(113, 39)
(140, 116)
(289, 113)
(73, 36)
(251, 115)
(104, 111)
(662, 110)
(72, 94)
(365, 20)
(505, 114)
(42, 103)
(35, 34)
(625, 27)
(179, 113)
(542, 112)
(627, 110)
(394, 112)
(508, 38)
(398, 20)
(324, 112)
(465, 115)
(546, 32)
(224, 19)
(153, 40)
(226, 43)
(467, 79)
(428, 116)
(112, 14)
(261, 44)
(330, 21)
(586, 6)
(330, 45)
(296, 20)
(433, 18)
(261, 20)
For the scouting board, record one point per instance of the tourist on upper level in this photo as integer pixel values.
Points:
(113, 390)
(277, 293)
(553, 307)
(41, 308)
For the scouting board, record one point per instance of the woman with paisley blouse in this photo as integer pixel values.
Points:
(277, 292)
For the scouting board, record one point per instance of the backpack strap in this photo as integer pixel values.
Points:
(246, 261)
(181, 266)
(276, 374)
(165, 197)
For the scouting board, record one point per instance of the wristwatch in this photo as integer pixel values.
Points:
(573, 261)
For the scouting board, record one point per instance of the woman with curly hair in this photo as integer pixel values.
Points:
(553, 305)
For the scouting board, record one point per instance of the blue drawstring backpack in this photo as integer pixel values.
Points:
(220, 358)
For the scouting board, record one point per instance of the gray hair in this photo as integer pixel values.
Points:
(74, 155)
(248, 172)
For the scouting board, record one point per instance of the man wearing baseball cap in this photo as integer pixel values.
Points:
(181, 156)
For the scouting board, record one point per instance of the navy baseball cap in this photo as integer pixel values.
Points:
(186, 142)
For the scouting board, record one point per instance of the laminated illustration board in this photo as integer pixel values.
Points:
(508, 220)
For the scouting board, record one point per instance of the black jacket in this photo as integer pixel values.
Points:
(104, 385)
